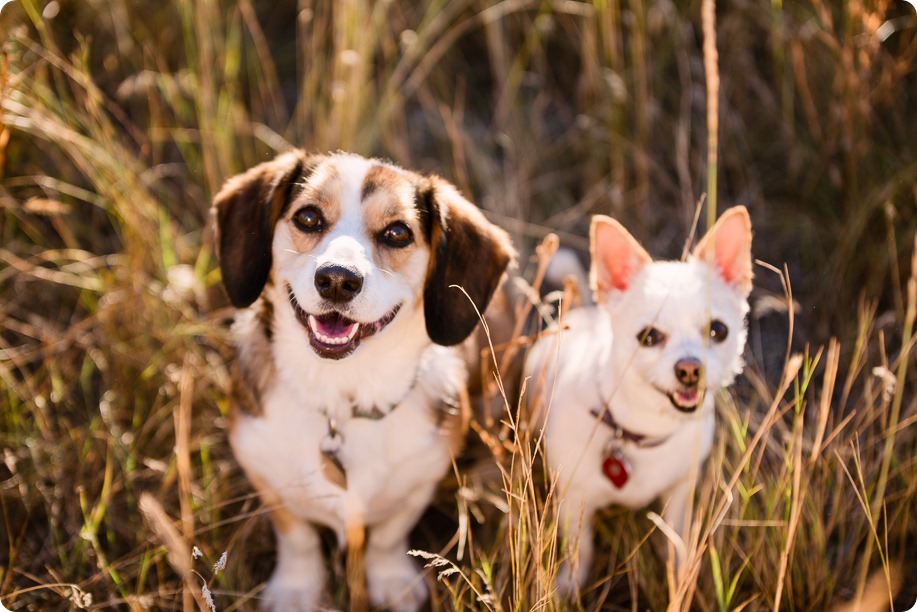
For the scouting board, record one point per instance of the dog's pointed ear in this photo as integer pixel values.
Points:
(246, 209)
(616, 256)
(468, 257)
(727, 247)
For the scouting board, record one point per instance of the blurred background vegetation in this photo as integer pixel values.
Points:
(121, 118)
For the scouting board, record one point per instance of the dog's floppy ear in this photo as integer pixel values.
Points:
(247, 208)
(467, 251)
(727, 247)
(616, 256)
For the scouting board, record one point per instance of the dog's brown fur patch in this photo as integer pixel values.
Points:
(388, 197)
(381, 178)
(253, 371)
(469, 253)
(247, 209)
(323, 191)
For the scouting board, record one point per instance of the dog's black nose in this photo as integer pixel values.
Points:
(337, 284)
(688, 371)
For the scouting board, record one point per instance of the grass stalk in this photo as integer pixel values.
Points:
(888, 452)
(712, 72)
(118, 121)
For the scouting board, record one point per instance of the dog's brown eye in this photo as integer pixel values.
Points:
(718, 331)
(650, 336)
(397, 235)
(309, 219)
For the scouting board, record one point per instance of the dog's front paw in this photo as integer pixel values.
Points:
(283, 594)
(394, 583)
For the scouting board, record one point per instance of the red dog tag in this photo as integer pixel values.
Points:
(616, 469)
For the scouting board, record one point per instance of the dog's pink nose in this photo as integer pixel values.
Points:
(688, 371)
(337, 284)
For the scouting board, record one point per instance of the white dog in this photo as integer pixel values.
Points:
(347, 397)
(627, 389)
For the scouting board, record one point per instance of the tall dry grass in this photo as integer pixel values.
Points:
(120, 119)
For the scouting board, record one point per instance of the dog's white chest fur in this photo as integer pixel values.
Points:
(384, 458)
(579, 442)
(385, 407)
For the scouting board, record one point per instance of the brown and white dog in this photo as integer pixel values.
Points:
(347, 398)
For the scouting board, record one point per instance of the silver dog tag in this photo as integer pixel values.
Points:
(332, 468)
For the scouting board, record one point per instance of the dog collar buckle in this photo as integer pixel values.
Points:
(620, 434)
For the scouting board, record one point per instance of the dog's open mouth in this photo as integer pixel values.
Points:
(685, 399)
(334, 336)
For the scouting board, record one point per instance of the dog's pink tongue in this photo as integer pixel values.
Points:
(333, 325)
(687, 397)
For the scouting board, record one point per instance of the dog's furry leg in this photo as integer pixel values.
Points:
(576, 526)
(299, 577)
(675, 513)
(392, 578)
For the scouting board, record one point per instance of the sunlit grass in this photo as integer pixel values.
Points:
(119, 120)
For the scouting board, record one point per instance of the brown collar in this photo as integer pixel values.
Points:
(642, 441)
